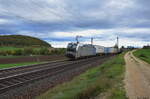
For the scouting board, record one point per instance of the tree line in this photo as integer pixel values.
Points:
(33, 51)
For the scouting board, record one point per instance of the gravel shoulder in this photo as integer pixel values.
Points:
(137, 77)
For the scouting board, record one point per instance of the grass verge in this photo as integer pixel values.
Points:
(10, 56)
(106, 78)
(2, 66)
(143, 54)
(6, 48)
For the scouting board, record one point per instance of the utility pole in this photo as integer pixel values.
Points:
(117, 44)
(117, 41)
(77, 38)
(92, 41)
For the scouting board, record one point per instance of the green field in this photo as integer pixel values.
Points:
(106, 78)
(11, 48)
(143, 54)
(8, 48)
(10, 56)
(2, 66)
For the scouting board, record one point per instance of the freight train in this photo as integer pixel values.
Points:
(78, 50)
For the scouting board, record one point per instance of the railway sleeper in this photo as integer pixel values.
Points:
(7, 83)
(2, 85)
(11, 81)
(32, 76)
(22, 79)
(16, 80)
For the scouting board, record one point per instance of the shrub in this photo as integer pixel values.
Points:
(142, 55)
(44, 51)
(18, 52)
(4, 53)
(58, 51)
(28, 51)
(36, 52)
(10, 52)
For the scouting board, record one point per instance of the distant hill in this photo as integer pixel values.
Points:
(21, 40)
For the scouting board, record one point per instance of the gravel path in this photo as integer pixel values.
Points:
(137, 78)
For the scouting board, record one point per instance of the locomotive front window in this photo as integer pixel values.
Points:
(72, 47)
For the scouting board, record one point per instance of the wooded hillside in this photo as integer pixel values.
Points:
(21, 40)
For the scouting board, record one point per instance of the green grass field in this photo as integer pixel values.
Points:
(11, 48)
(7, 48)
(2, 66)
(143, 54)
(106, 78)
(10, 56)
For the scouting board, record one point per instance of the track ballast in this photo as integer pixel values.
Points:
(15, 77)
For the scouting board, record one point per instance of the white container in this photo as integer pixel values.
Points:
(85, 50)
(112, 50)
(99, 49)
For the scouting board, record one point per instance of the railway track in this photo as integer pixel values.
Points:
(14, 77)
(23, 69)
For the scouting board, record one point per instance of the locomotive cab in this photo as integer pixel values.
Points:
(71, 50)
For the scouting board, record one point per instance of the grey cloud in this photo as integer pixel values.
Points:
(44, 16)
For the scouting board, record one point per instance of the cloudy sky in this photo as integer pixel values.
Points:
(59, 21)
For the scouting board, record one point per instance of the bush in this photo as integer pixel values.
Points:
(58, 51)
(4, 53)
(142, 55)
(44, 51)
(28, 51)
(18, 52)
(8, 52)
(36, 52)
(33, 51)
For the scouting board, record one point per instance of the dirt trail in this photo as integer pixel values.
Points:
(137, 78)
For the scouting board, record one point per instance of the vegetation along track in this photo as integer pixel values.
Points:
(14, 77)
